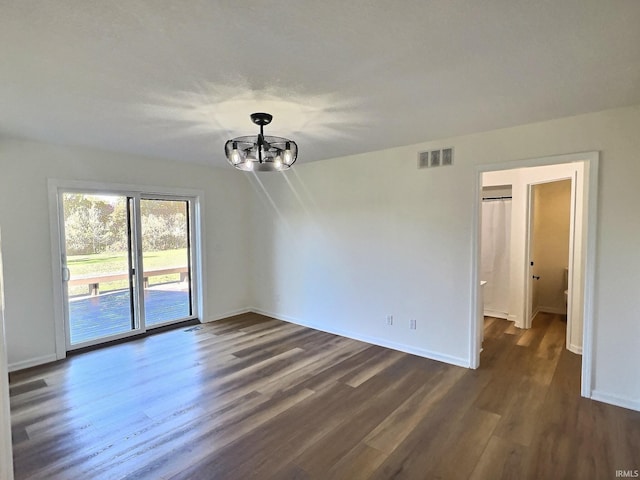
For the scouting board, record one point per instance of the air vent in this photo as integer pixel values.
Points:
(423, 159)
(447, 156)
(435, 158)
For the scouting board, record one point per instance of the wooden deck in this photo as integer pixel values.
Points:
(110, 314)
(255, 398)
(94, 281)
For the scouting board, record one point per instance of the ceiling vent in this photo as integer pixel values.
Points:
(435, 158)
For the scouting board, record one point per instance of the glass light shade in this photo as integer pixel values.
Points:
(236, 156)
(261, 152)
(287, 155)
(278, 153)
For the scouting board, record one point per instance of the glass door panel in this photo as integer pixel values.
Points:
(98, 266)
(166, 261)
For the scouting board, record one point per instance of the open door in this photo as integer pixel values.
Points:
(533, 274)
(551, 225)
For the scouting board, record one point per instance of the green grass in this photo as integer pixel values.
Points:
(116, 262)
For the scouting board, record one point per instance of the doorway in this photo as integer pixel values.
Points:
(128, 263)
(582, 168)
(551, 221)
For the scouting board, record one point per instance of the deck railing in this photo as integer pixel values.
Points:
(94, 281)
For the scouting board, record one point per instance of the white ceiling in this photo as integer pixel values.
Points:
(175, 79)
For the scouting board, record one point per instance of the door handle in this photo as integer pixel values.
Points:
(536, 277)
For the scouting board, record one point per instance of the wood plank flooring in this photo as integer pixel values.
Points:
(253, 397)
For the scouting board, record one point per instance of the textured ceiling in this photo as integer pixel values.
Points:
(175, 79)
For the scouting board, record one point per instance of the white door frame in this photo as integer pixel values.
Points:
(590, 201)
(56, 186)
(6, 453)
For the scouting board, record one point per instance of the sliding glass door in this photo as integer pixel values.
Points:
(165, 256)
(106, 239)
(100, 277)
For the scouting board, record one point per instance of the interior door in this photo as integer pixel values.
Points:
(98, 267)
(532, 277)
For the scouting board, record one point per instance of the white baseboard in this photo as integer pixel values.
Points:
(32, 362)
(624, 402)
(222, 316)
(575, 348)
(492, 313)
(440, 357)
(514, 319)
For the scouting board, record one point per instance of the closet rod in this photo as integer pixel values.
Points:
(497, 198)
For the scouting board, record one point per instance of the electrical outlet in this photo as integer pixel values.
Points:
(412, 324)
(389, 319)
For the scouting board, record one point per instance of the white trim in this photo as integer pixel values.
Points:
(533, 315)
(55, 230)
(139, 318)
(591, 161)
(494, 314)
(624, 402)
(589, 274)
(577, 349)
(106, 187)
(32, 362)
(440, 357)
(571, 267)
(6, 454)
(513, 318)
(476, 326)
(199, 257)
(56, 186)
(538, 162)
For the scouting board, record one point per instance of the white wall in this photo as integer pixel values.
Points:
(340, 244)
(349, 241)
(24, 217)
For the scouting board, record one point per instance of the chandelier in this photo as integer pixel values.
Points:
(259, 152)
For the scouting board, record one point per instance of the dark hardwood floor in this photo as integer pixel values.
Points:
(253, 397)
